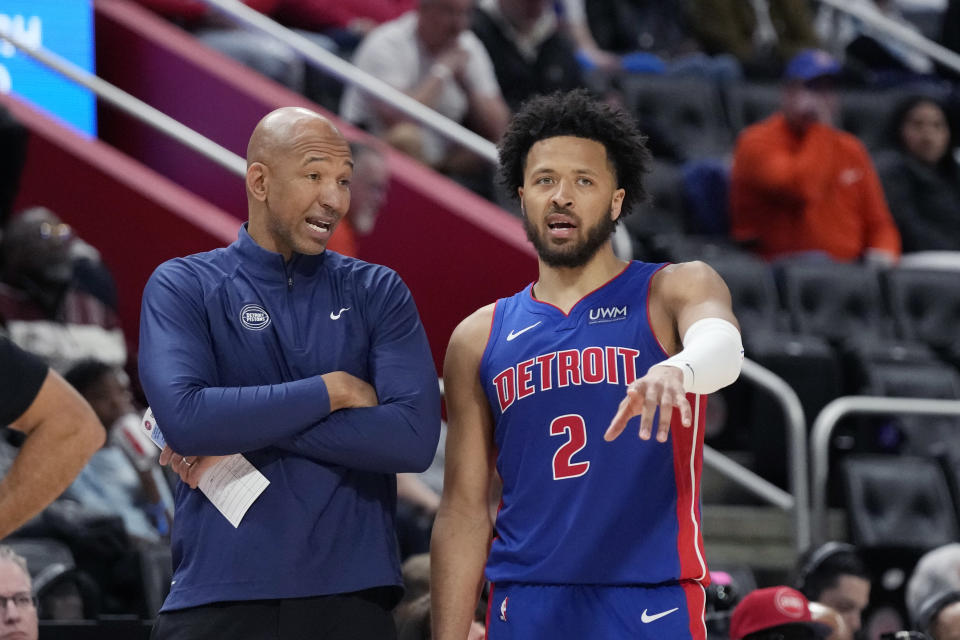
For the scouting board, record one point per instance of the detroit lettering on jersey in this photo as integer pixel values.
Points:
(560, 369)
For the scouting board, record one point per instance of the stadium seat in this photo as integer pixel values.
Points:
(753, 291)
(748, 103)
(663, 213)
(925, 305)
(834, 300)
(900, 502)
(690, 109)
(915, 434)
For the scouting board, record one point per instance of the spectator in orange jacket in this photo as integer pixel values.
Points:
(800, 185)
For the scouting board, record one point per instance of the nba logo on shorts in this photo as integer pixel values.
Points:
(503, 609)
(254, 317)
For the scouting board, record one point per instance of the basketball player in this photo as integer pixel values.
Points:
(598, 536)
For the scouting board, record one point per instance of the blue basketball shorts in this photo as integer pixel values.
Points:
(519, 611)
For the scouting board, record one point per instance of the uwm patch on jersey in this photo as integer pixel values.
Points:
(577, 509)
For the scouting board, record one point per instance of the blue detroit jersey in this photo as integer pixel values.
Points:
(577, 509)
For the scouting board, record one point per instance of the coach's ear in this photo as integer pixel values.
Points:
(256, 180)
(616, 203)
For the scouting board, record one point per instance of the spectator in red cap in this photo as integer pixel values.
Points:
(775, 613)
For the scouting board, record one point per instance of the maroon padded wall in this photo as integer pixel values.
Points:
(134, 216)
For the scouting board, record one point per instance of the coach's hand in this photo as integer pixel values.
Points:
(189, 468)
(348, 391)
(662, 387)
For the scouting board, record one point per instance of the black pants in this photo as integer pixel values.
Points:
(363, 615)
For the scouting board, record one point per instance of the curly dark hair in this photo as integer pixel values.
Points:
(577, 113)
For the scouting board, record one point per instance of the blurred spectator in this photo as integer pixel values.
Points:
(775, 613)
(261, 53)
(346, 22)
(413, 622)
(18, 610)
(800, 185)
(762, 34)
(939, 616)
(13, 142)
(418, 496)
(416, 577)
(368, 189)
(641, 36)
(41, 308)
(937, 572)
(834, 575)
(413, 619)
(431, 55)
(829, 616)
(61, 433)
(412, 615)
(122, 478)
(417, 505)
(920, 176)
(869, 51)
(530, 54)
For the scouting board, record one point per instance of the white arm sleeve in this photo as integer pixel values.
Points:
(711, 358)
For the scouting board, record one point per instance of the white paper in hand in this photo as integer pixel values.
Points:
(232, 485)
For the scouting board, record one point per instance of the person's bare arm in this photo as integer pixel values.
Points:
(488, 114)
(681, 295)
(427, 91)
(62, 433)
(463, 527)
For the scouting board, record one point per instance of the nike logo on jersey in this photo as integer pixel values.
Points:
(336, 316)
(645, 619)
(514, 334)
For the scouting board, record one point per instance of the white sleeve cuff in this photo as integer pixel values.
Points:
(711, 358)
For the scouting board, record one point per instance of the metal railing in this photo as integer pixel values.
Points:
(868, 13)
(823, 428)
(797, 500)
(343, 70)
(133, 106)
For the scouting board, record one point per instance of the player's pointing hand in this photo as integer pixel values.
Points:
(661, 387)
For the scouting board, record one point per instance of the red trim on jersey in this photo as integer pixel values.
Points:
(493, 321)
(696, 609)
(586, 295)
(486, 628)
(649, 322)
(688, 441)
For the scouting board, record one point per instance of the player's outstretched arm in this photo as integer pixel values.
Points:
(689, 300)
(462, 529)
(62, 433)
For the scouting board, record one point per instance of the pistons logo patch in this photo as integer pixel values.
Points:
(254, 317)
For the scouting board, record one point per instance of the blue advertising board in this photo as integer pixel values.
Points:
(64, 27)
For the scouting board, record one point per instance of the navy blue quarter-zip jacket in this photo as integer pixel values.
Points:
(232, 346)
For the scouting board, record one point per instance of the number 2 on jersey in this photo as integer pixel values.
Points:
(573, 426)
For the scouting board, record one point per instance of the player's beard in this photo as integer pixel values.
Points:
(566, 255)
